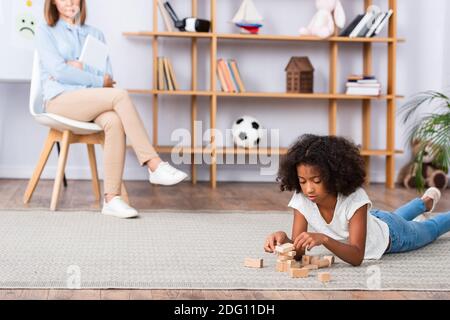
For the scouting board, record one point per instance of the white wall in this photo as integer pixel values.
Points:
(420, 67)
(447, 49)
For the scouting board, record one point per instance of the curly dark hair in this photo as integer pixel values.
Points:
(338, 160)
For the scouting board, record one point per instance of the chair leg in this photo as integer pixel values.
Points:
(65, 142)
(51, 138)
(94, 172)
(58, 147)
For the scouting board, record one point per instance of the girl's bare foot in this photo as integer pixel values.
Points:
(428, 203)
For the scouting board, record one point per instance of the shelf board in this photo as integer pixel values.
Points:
(281, 95)
(259, 151)
(221, 150)
(187, 149)
(267, 37)
(169, 34)
(232, 36)
(373, 152)
(174, 93)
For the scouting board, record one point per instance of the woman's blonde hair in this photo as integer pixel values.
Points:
(51, 13)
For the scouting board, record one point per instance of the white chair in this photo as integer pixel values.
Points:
(66, 132)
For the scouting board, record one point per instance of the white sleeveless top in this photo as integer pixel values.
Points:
(377, 238)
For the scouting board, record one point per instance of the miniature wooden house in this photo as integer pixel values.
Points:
(299, 75)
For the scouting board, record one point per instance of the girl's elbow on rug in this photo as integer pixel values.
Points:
(357, 262)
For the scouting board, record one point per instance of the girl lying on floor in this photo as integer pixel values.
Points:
(327, 174)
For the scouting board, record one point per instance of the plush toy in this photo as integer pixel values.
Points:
(434, 177)
(323, 24)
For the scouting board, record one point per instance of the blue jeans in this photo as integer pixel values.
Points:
(405, 234)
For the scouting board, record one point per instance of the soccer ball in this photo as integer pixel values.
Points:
(247, 132)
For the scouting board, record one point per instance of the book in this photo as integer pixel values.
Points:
(226, 74)
(357, 77)
(160, 72)
(368, 25)
(221, 78)
(363, 31)
(367, 81)
(363, 85)
(361, 24)
(346, 32)
(94, 54)
(384, 22)
(363, 91)
(233, 77)
(230, 77)
(165, 16)
(172, 75)
(237, 74)
(375, 25)
(167, 74)
(166, 79)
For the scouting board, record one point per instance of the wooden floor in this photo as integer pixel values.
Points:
(228, 196)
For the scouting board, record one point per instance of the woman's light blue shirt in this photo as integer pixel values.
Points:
(60, 44)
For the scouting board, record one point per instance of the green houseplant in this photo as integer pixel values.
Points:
(428, 117)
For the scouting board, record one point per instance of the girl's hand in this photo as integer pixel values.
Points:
(75, 64)
(108, 82)
(308, 240)
(275, 239)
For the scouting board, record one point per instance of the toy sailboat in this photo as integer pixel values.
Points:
(247, 18)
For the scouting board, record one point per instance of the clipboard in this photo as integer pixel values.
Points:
(94, 53)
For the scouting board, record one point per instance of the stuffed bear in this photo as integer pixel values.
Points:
(323, 22)
(434, 177)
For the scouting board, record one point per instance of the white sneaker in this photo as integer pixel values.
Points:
(166, 175)
(119, 208)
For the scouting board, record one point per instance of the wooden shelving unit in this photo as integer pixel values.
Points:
(333, 96)
(233, 36)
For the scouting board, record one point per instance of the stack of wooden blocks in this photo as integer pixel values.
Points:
(286, 263)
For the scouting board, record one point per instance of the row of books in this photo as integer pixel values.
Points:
(367, 25)
(229, 76)
(363, 85)
(165, 74)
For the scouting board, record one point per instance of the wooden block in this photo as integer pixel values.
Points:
(281, 266)
(315, 259)
(324, 276)
(289, 254)
(330, 259)
(285, 258)
(323, 263)
(306, 260)
(253, 263)
(292, 264)
(298, 273)
(284, 248)
(311, 267)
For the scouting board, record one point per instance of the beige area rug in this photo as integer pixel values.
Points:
(184, 250)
